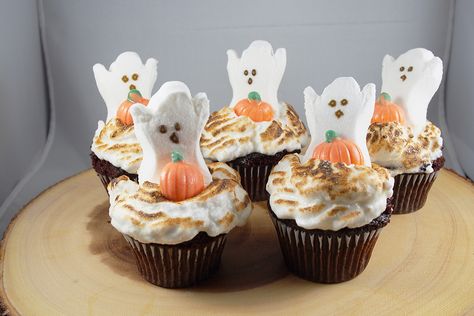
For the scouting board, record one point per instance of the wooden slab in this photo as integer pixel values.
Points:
(62, 257)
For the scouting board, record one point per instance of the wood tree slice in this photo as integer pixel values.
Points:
(62, 257)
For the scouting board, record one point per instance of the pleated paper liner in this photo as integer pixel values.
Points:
(328, 256)
(410, 190)
(254, 170)
(181, 265)
(107, 172)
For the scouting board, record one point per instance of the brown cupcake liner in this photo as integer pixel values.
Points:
(254, 180)
(326, 256)
(181, 265)
(254, 170)
(410, 191)
(107, 172)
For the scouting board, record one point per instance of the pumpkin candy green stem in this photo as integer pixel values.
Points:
(330, 136)
(132, 93)
(254, 96)
(176, 156)
(386, 96)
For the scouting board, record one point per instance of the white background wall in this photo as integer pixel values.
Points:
(324, 40)
(23, 107)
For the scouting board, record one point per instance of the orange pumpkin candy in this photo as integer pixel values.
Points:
(179, 180)
(123, 112)
(385, 111)
(336, 149)
(254, 108)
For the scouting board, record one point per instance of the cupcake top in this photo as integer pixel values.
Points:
(116, 143)
(395, 147)
(142, 212)
(127, 81)
(334, 185)
(178, 195)
(255, 120)
(320, 194)
(401, 138)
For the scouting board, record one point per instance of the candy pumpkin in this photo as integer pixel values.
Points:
(123, 112)
(179, 180)
(336, 149)
(254, 108)
(386, 111)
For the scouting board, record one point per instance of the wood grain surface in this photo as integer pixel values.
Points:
(60, 256)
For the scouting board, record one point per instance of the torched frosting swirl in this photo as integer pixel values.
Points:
(393, 146)
(142, 212)
(330, 196)
(116, 143)
(228, 136)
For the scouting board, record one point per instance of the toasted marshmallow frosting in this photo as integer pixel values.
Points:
(142, 212)
(330, 196)
(394, 147)
(228, 136)
(116, 143)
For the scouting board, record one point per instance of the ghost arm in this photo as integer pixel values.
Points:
(280, 61)
(140, 114)
(201, 106)
(101, 75)
(422, 92)
(368, 100)
(386, 68)
(150, 66)
(432, 75)
(311, 101)
(232, 69)
(310, 98)
(364, 119)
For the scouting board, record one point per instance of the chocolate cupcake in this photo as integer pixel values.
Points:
(329, 206)
(400, 137)
(256, 130)
(177, 217)
(115, 150)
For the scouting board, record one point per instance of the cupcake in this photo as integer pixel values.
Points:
(256, 130)
(115, 150)
(400, 137)
(329, 205)
(177, 217)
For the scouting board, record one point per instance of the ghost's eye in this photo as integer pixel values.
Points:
(246, 72)
(135, 77)
(402, 68)
(162, 129)
(124, 78)
(177, 126)
(344, 102)
(332, 103)
(410, 68)
(254, 72)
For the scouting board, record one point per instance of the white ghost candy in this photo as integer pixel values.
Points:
(411, 80)
(172, 121)
(257, 70)
(343, 108)
(127, 72)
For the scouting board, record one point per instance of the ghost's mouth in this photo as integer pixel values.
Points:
(338, 113)
(250, 81)
(403, 77)
(132, 87)
(174, 138)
